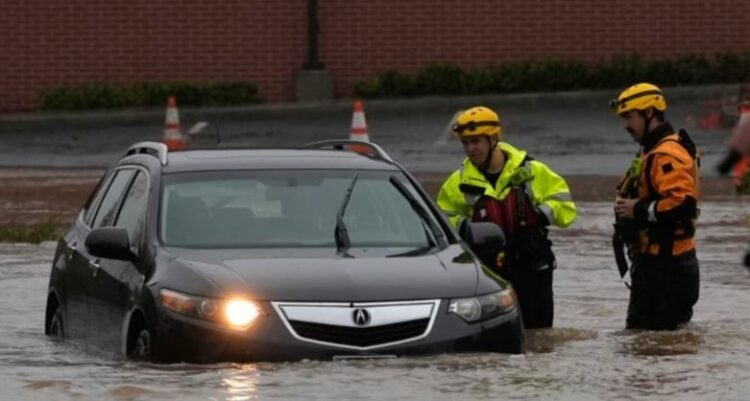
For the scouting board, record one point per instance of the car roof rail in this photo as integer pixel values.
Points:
(338, 144)
(157, 149)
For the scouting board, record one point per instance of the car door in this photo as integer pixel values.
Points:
(82, 270)
(70, 260)
(116, 280)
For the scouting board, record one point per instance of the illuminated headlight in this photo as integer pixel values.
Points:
(238, 313)
(483, 307)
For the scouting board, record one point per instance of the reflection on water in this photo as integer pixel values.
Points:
(688, 340)
(127, 393)
(587, 356)
(546, 340)
(241, 384)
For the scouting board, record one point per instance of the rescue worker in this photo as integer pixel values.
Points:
(502, 184)
(739, 141)
(656, 208)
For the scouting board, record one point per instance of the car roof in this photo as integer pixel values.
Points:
(282, 159)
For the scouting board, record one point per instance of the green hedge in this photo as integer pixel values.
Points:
(36, 233)
(110, 96)
(557, 75)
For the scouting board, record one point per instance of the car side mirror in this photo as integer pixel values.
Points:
(484, 238)
(110, 243)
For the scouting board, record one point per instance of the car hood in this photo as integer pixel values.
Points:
(445, 274)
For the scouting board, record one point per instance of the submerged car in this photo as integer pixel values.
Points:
(274, 254)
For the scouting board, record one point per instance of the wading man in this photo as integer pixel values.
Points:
(502, 184)
(655, 211)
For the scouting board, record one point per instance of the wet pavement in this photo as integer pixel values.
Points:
(575, 133)
(587, 356)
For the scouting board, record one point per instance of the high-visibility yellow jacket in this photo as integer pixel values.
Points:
(548, 191)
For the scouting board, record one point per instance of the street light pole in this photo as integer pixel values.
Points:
(313, 82)
(313, 29)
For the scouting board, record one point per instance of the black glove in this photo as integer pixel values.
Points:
(726, 164)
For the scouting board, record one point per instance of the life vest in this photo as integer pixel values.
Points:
(672, 232)
(670, 238)
(525, 228)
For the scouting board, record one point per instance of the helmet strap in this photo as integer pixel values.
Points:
(486, 165)
(647, 127)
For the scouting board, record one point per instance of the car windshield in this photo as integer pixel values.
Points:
(294, 208)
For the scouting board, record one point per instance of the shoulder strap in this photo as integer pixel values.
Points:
(688, 144)
(652, 193)
(524, 199)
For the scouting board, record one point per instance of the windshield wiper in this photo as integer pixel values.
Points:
(420, 251)
(427, 223)
(341, 235)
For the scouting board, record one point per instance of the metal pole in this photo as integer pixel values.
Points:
(312, 37)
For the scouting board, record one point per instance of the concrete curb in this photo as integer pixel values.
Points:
(342, 108)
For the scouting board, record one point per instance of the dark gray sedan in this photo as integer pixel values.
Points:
(236, 254)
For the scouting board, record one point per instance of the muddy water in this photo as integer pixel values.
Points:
(588, 356)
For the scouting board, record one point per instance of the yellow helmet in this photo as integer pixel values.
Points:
(639, 97)
(478, 120)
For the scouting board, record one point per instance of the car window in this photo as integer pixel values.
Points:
(93, 202)
(105, 215)
(286, 209)
(133, 212)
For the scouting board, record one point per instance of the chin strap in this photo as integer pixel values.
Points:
(647, 130)
(486, 165)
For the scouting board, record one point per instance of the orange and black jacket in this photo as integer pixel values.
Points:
(667, 193)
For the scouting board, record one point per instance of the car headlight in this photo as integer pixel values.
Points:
(236, 313)
(485, 306)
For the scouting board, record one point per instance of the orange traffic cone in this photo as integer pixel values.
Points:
(359, 128)
(172, 134)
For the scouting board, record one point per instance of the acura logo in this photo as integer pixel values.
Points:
(361, 317)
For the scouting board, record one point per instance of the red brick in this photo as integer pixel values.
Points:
(81, 41)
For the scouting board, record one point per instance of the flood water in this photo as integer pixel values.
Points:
(587, 356)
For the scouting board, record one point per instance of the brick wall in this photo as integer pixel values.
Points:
(45, 43)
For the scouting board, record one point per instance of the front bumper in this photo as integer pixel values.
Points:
(271, 338)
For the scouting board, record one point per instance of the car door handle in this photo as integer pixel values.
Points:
(71, 250)
(94, 265)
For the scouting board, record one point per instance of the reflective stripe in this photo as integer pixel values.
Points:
(471, 199)
(562, 196)
(548, 212)
(652, 212)
(529, 191)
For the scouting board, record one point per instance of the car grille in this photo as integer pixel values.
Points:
(362, 326)
(361, 336)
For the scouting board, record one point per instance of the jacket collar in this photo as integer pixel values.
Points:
(654, 137)
(514, 158)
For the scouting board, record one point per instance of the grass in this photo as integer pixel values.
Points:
(35, 233)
